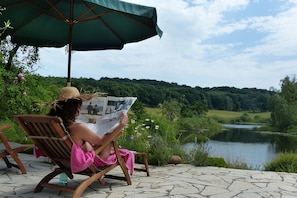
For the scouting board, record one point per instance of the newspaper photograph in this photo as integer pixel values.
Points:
(102, 114)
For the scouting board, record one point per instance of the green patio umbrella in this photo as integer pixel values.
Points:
(81, 24)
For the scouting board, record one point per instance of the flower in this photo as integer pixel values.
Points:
(19, 77)
(138, 134)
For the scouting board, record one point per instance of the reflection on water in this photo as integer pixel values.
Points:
(241, 144)
(241, 126)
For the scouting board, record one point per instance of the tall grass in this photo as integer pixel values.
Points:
(233, 114)
(232, 117)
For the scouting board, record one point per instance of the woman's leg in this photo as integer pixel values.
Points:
(105, 153)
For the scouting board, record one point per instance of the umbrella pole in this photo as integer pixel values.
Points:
(69, 54)
(69, 66)
(70, 23)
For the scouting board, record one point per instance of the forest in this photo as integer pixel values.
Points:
(153, 92)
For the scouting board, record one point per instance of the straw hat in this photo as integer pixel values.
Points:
(67, 93)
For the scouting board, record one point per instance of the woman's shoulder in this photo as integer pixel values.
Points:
(77, 126)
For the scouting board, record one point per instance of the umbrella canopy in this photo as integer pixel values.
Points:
(81, 24)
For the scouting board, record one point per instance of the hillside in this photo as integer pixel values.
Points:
(152, 93)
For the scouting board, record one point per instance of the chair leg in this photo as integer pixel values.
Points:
(145, 162)
(19, 163)
(122, 164)
(144, 158)
(8, 164)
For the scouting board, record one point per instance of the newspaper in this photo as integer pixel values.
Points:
(102, 114)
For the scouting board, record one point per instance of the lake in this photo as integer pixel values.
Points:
(239, 143)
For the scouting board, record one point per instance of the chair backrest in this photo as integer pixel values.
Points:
(49, 134)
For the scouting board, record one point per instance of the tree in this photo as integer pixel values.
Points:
(171, 109)
(20, 56)
(20, 90)
(283, 105)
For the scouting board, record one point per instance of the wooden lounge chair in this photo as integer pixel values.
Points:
(11, 148)
(49, 134)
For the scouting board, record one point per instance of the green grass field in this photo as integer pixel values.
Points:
(153, 111)
(219, 113)
(232, 114)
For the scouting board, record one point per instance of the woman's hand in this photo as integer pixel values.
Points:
(124, 119)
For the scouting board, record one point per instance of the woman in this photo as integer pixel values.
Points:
(68, 108)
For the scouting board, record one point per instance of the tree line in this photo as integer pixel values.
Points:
(153, 93)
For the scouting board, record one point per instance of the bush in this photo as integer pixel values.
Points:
(198, 156)
(239, 165)
(284, 162)
(15, 133)
(216, 161)
(158, 138)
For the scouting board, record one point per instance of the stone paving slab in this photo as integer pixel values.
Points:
(176, 181)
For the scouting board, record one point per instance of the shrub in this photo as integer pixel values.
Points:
(284, 162)
(216, 161)
(198, 156)
(238, 165)
(15, 133)
(158, 138)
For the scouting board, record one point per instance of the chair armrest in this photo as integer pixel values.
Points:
(6, 126)
(113, 137)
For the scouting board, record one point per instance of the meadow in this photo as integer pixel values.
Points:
(232, 114)
(221, 113)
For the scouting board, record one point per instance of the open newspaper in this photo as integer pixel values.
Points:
(102, 114)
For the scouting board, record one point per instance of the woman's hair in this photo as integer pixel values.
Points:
(66, 110)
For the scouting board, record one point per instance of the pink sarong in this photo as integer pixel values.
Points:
(81, 160)
(37, 152)
(127, 155)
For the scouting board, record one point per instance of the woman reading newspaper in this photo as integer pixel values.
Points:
(68, 108)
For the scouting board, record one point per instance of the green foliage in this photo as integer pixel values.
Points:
(198, 156)
(18, 95)
(7, 24)
(138, 109)
(233, 99)
(193, 110)
(160, 149)
(197, 129)
(217, 161)
(153, 93)
(231, 117)
(153, 135)
(15, 133)
(239, 165)
(171, 109)
(283, 106)
(284, 162)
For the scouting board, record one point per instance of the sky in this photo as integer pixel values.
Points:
(205, 43)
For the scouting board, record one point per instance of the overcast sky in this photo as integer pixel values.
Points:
(205, 43)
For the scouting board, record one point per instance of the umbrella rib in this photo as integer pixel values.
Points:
(33, 4)
(57, 10)
(100, 19)
(107, 12)
(90, 9)
(126, 15)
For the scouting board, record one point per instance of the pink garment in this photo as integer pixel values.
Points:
(80, 160)
(127, 155)
(37, 152)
